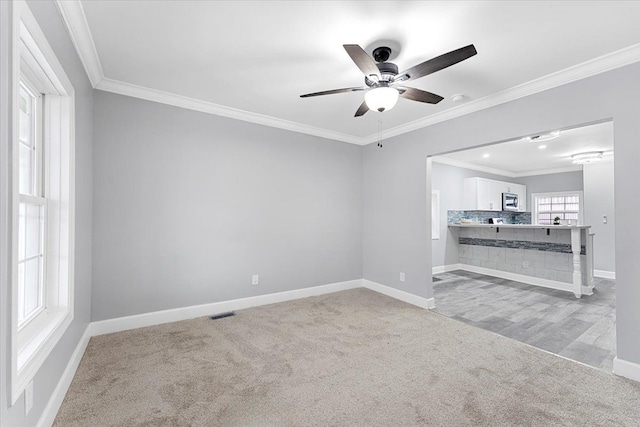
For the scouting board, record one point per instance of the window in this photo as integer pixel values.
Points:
(31, 209)
(42, 200)
(567, 206)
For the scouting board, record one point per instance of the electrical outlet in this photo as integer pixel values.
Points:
(525, 264)
(604, 219)
(255, 279)
(402, 277)
(28, 398)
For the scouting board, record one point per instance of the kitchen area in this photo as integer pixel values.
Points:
(502, 241)
(522, 244)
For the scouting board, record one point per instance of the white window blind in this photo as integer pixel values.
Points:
(550, 206)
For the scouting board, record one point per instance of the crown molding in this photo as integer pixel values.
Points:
(78, 28)
(472, 166)
(128, 89)
(76, 22)
(572, 168)
(502, 172)
(601, 64)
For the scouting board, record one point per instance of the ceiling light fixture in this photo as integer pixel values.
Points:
(486, 155)
(381, 98)
(543, 137)
(541, 147)
(588, 157)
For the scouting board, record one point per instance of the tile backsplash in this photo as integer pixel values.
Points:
(482, 217)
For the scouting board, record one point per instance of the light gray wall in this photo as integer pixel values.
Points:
(449, 180)
(187, 206)
(49, 374)
(554, 182)
(598, 202)
(395, 205)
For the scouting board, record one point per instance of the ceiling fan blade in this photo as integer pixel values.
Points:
(362, 60)
(362, 109)
(419, 95)
(436, 64)
(331, 92)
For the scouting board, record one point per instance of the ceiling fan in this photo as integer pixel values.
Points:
(382, 77)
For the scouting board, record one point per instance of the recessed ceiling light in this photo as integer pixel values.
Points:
(542, 147)
(588, 157)
(543, 137)
(486, 155)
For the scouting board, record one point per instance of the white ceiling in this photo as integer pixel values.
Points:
(258, 57)
(522, 158)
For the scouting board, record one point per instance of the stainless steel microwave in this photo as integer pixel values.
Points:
(509, 202)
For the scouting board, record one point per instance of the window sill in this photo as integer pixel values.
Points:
(33, 354)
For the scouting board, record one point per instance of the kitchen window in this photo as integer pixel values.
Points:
(565, 205)
(42, 204)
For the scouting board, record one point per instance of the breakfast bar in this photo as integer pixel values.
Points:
(552, 256)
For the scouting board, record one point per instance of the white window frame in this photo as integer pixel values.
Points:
(534, 210)
(33, 59)
(28, 327)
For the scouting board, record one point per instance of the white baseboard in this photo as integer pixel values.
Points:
(55, 401)
(445, 268)
(620, 367)
(529, 280)
(605, 274)
(427, 303)
(626, 369)
(166, 316)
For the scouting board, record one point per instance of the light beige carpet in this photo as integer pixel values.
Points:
(352, 358)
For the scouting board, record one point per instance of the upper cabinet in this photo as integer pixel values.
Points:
(483, 194)
(477, 195)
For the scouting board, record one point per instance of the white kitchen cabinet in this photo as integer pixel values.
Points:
(483, 194)
(478, 195)
(495, 198)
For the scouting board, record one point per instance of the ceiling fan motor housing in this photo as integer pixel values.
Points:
(388, 70)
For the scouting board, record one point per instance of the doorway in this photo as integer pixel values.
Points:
(512, 271)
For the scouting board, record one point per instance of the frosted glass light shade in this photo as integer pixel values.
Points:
(589, 157)
(381, 98)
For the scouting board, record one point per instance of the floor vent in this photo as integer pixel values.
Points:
(222, 315)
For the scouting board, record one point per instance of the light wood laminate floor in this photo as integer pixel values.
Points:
(579, 329)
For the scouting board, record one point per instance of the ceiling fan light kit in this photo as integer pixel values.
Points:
(381, 77)
(381, 98)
